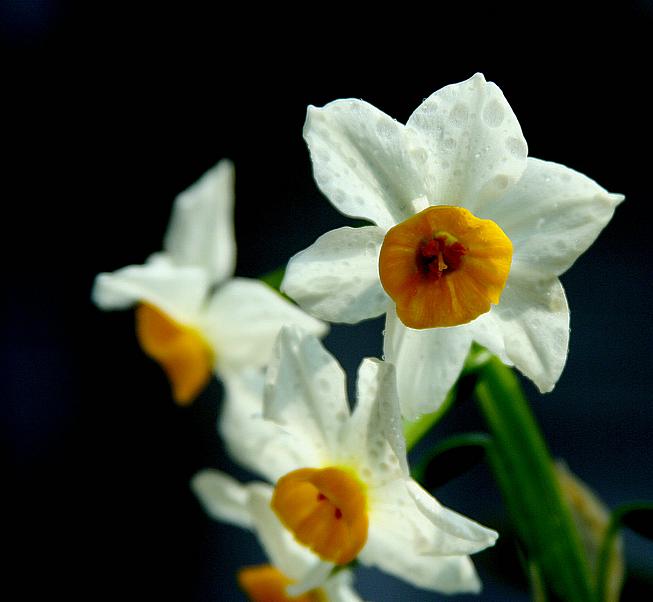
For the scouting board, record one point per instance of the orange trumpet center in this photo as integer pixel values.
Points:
(444, 267)
(264, 583)
(181, 350)
(325, 509)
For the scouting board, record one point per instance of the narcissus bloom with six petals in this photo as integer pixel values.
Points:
(469, 239)
(248, 506)
(342, 485)
(192, 317)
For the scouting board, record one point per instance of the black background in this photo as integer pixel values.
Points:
(109, 112)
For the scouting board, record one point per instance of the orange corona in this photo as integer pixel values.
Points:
(444, 267)
(182, 352)
(325, 509)
(264, 583)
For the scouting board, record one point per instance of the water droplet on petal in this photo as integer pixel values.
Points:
(459, 115)
(493, 113)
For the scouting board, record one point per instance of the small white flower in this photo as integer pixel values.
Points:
(248, 506)
(342, 482)
(192, 317)
(469, 241)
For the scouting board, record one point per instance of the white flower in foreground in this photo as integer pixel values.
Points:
(469, 241)
(191, 316)
(248, 506)
(342, 482)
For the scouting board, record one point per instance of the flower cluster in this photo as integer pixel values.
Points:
(467, 240)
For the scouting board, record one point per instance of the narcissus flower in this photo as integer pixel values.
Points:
(248, 506)
(191, 316)
(342, 485)
(469, 239)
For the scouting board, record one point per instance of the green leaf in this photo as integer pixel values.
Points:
(639, 518)
(274, 278)
(451, 458)
(524, 472)
(538, 588)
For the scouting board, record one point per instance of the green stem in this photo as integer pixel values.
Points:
(616, 522)
(524, 472)
(414, 431)
(604, 553)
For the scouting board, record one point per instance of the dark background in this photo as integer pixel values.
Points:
(109, 112)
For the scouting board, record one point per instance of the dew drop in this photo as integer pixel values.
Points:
(493, 113)
(459, 115)
(449, 143)
(370, 248)
(420, 155)
(385, 128)
(501, 182)
(516, 147)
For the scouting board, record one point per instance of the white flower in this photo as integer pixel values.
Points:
(192, 317)
(469, 239)
(342, 481)
(248, 506)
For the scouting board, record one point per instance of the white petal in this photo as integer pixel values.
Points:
(444, 574)
(223, 498)
(363, 161)
(178, 291)
(460, 534)
(255, 443)
(337, 277)
(476, 147)
(291, 558)
(428, 363)
(201, 229)
(305, 393)
(552, 215)
(530, 325)
(374, 435)
(339, 588)
(403, 513)
(486, 330)
(242, 321)
(420, 541)
(315, 578)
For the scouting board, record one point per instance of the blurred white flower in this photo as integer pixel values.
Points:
(191, 316)
(248, 506)
(469, 239)
(342, 482)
